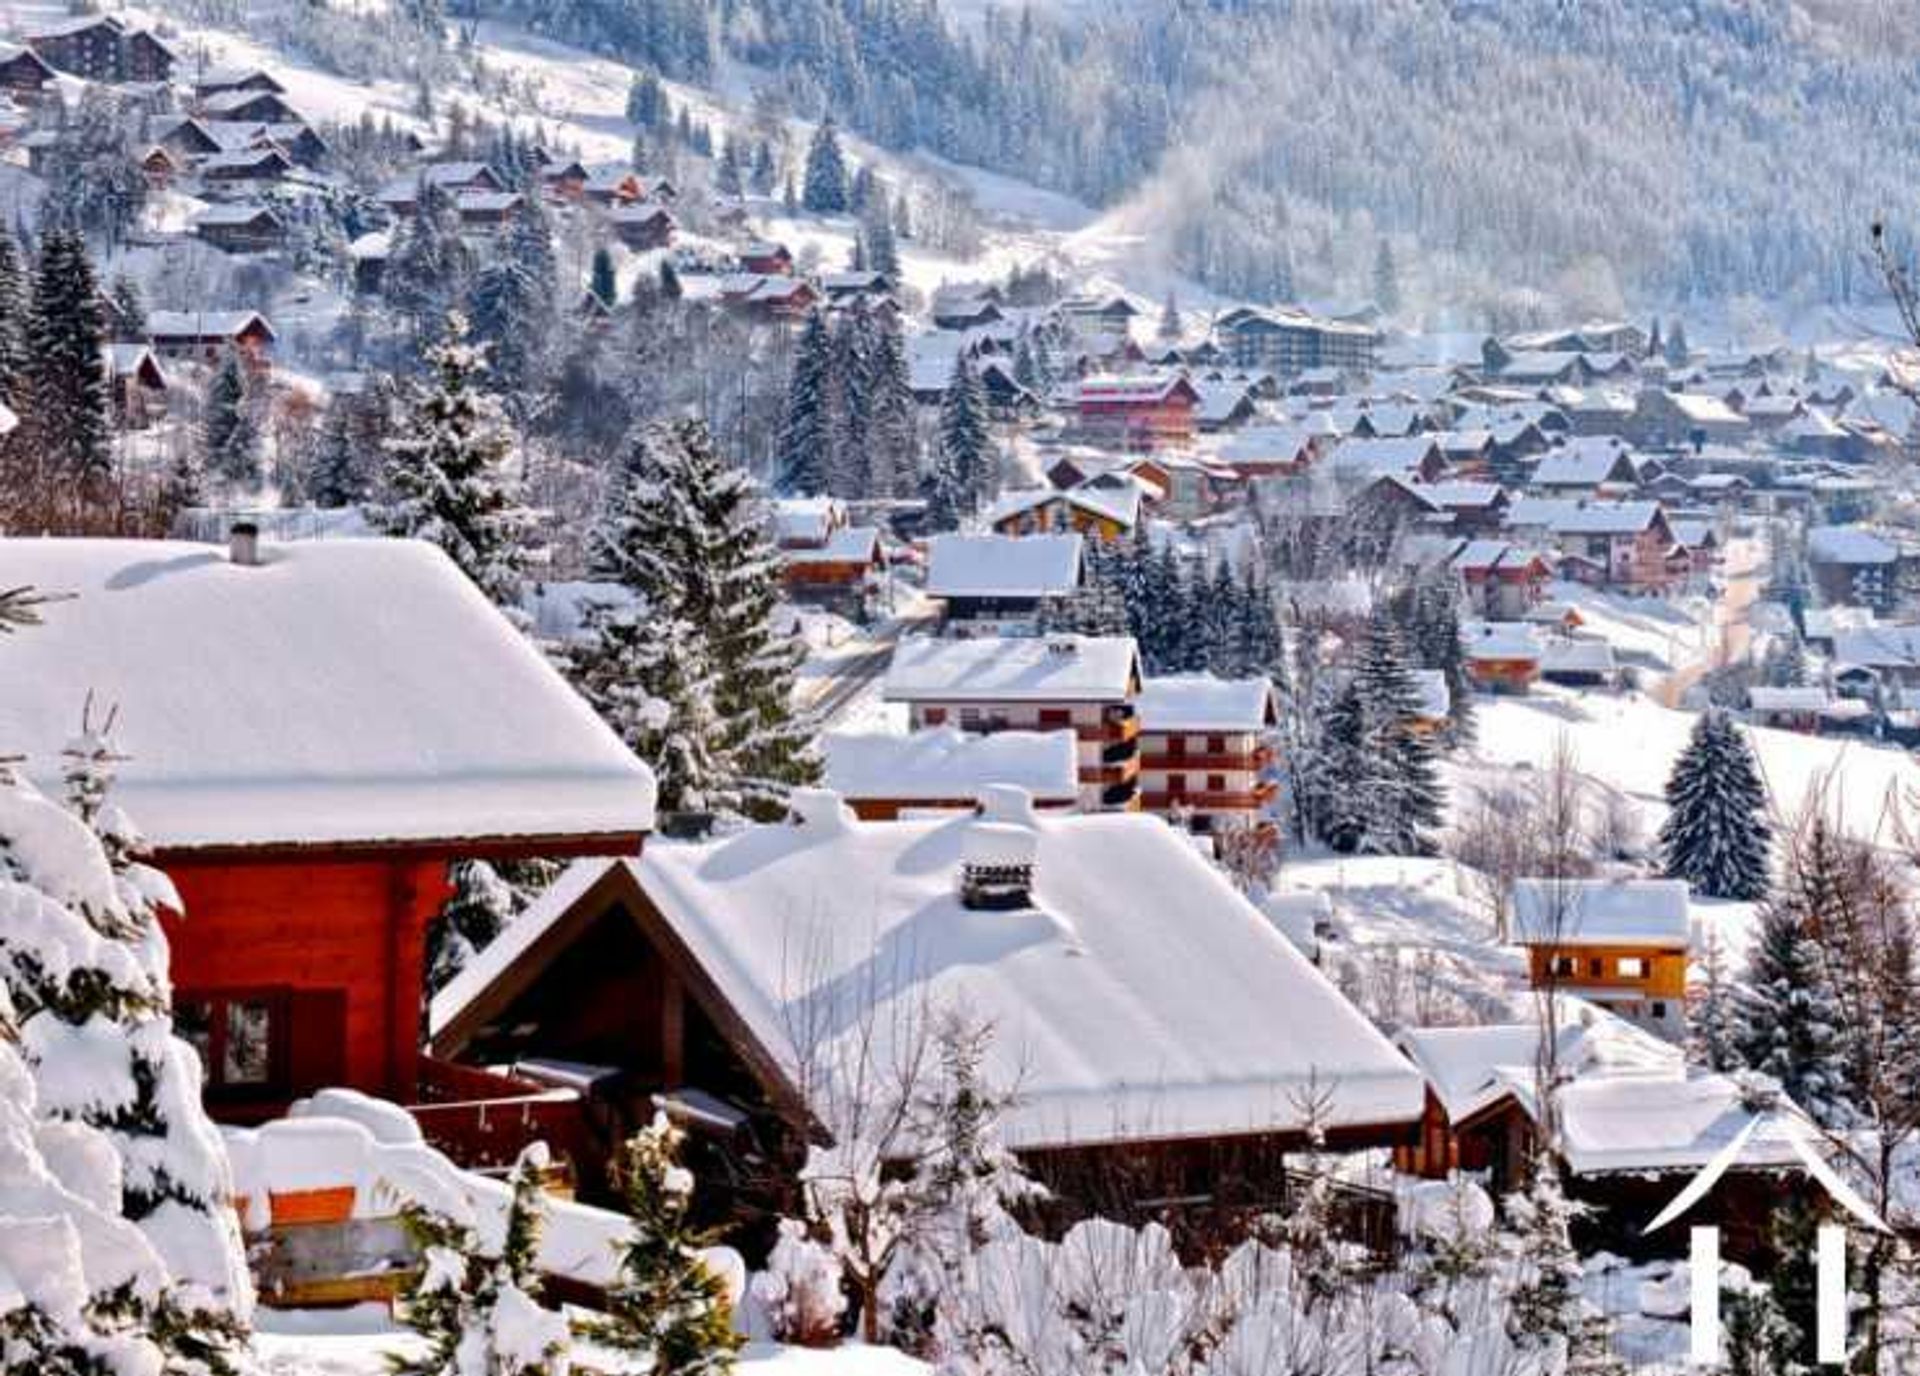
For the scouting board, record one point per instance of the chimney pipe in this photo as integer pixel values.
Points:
(243, 544)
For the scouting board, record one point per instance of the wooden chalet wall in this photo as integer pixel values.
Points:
(338, 943)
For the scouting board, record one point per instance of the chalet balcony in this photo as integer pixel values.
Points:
(1247, 800)
(1248, 761)
(1120, 752)
(483, 1120)
(1121, 796)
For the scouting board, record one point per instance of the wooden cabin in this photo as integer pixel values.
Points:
(767, 259)
(845, 570)
(241, 228)
(1100, 512)
(990, 683)
(732, 973)
(1502, 656)
(642, 226)
(138, 386)
(993, 583)
(203, 336)
(24, 74)
(1623, 943)
(313, 732)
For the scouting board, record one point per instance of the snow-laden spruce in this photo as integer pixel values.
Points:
(1716, 836)
(115, 1228)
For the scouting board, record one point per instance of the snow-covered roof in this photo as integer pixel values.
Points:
(1380, 457)
(1585, 462)
(1878, 646)
(1678, 1123)
(1606, 518)
(1470, 1068)
(1269, 444)
(1702, 409)
(1563, 655)
(342, 692)
(1600, 912)
(1054, 668)
(235, 213)
(1112, 1022)
(807, 520)
(203, 324)
(1486, 640)
(847, 545)
(1849, 545)
(945, 763)
(1201, 702)
(1003, 565)
(1762, 698)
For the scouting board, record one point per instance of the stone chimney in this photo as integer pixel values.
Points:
(243, 544)
(998, 851)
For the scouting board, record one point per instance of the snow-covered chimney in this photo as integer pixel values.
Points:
(998, 851)
(819, 809)
(243, 544)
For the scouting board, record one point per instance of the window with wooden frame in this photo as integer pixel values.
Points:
(243, 1037)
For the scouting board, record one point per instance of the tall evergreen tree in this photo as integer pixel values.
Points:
(230, 430)
(825, 191)
(67, 396)
(343, 466)
(804, 449)
(848, 465)
(1716, 836)
(893, 465)
(447, 478)
(514, 305)
(428, 267)
(966, 454)
(1408, 798)
(877, 246)
(729, 177)
(15, 309)
(1216, 606)
(600, 277)
(1790, 1018)
(1386, 278)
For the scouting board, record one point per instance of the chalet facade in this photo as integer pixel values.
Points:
(24, 74)
(1137, 413)
(643, 226)
(1098, 512)
(1617, 942)
(1207, 750)
(138, 386)
(1501, 581)
(988, 584)
(204, 336)
(1054, 927)
(1619, 544)
(1084, 684)
(104, 48)
(241, 228)
(1502, 656)
(301, 767)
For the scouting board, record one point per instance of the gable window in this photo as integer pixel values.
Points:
(1631, 967)
(1564, 966)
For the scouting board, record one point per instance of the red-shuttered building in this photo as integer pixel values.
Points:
(1138, 413)
(313, 732)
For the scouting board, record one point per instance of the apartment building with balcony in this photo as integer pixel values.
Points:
(1083, 684)
(1207, 749)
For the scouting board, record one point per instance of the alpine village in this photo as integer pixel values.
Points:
(954, 688)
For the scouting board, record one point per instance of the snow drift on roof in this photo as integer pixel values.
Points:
(1055, 668)
(1600, 912)
(945, 763)
(1201, 702)
(1003, 565)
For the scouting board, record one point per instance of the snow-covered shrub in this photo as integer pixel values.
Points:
(476, 1301)
(667, 1302)
(799, 1292)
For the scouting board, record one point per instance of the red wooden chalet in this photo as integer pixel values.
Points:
(313, 732)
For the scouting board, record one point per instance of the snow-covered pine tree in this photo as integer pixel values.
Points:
(600, 277)
(1438, 644)
(765, 176)
(1216, 604)
(803, 452)
(878, 245)
(1408, 799)
(853, 387)
(513, 305)
(1386, 278)
(1713, 1023)
(1677, 351)
(85, 998)
(651, 680)
(667, 1303)
(14, 310)
(481, 904)
(67, 400)
(1261, 644)
(1716, 836)
(893, 464)
(342, 470)
(826, 190)
(430, 262)
(1338, 775)
(230, 439)
(447, 479)
(728, 177)
(476, 1304)
(1790, 1018)
(966, 445)
(767, 743)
